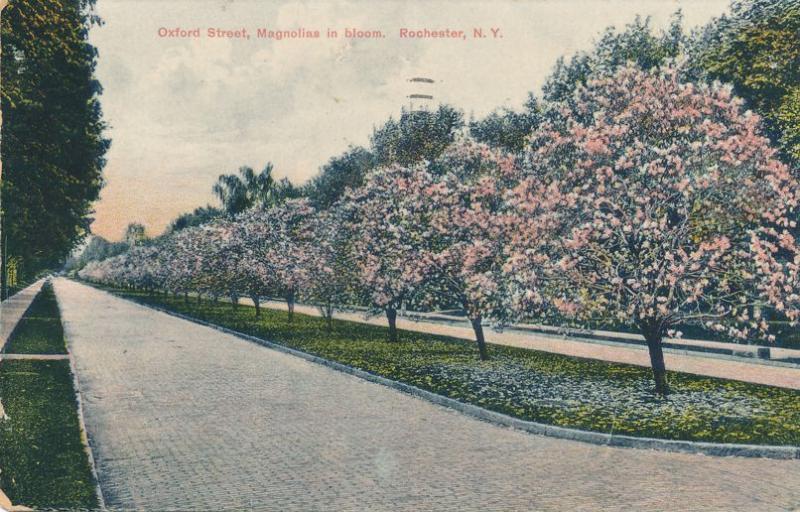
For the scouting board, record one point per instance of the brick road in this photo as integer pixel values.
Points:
(183, 417)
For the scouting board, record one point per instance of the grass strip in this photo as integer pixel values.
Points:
(39, 331)
(42, 456)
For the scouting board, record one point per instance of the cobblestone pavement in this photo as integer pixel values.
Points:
(184, 417)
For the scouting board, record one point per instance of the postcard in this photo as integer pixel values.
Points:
(407, 255)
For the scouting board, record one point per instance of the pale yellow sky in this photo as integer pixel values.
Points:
(183, 111)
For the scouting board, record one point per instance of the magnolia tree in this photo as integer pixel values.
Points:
(657, 203)
(330, 273)
(429, 232)
(390, 231)
(463, 197)
(243, 251)
(274, 240)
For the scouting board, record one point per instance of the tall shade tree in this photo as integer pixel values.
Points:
(53, 147)
(636, 43)
(239, 192)
(757, 49)
(506, 129)
(418, 135)
(660, 190)
(340, 173)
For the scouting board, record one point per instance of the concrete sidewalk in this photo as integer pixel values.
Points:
(684, 361)
(13, 308)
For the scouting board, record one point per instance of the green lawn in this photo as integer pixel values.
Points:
(40, 330)
(42, 457)
(539, 386)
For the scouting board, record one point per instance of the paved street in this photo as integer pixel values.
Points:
(184, 417)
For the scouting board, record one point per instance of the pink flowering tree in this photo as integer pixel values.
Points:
(463, 192)
(429, 233)
(274, 250)
(651, 203)
(331, 278)
(390, 231)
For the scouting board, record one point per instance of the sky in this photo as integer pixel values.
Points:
(183, 110)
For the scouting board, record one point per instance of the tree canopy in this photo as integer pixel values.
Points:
(53, 146)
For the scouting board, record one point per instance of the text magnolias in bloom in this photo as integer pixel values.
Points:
(328, 33)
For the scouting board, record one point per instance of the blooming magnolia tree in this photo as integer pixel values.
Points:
(390, 231)
(274, 242)
(463, 197)
(659, 203)
(331, 278)
(644, 200)
(429, 232)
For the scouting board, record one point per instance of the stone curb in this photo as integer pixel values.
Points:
(85, 438)
(597, 438)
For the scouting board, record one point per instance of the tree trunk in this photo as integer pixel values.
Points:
(290, 304)
(186, 297)
(329, 317)
(478, 328)
(199, 298)
(657, 361)
(257, 304)
(234, 302)
(391, 316)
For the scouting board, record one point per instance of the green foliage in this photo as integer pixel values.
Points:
(508, 130)
(417, 135)
(53, 148)
(39, 331)
(97, 249)
(248, 189)
(340, 173)
(135, 234)
(200, 215)
(636, 43)
(520, 382)
(757, 49)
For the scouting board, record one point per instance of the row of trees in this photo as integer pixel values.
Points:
(640, 197)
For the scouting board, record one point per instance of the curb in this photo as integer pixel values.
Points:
(85, 437)
(585, 436)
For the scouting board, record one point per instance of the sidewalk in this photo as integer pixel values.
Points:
(697, 363)
(12, 309)
(774, 354)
